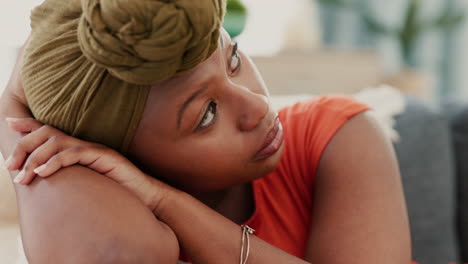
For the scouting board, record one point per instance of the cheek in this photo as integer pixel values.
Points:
(223, 150)
(217, 160)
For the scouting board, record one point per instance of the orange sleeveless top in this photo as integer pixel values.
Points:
(283, 198)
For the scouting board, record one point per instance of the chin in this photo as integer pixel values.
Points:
(269, 164)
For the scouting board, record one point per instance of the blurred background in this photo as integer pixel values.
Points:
(305, 48)
(416, 45)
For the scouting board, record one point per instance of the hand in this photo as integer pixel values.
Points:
(43, 150)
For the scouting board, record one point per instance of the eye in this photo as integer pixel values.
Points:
(208, 117)
(235, 61)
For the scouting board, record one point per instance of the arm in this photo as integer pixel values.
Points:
(202, 230)
(363, 217)
(208, 237)
(81, 217)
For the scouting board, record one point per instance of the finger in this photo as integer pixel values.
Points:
(28, 144)
(76, 155)
(23, 125)
(40, 156)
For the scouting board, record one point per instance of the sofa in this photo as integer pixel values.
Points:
(433, 159)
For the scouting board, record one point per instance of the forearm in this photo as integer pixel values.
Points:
(81, 217)
(208, 237)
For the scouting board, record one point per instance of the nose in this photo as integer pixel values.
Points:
(251, 108)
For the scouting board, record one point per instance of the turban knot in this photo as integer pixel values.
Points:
(146, 41)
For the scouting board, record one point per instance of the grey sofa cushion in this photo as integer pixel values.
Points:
(427, 168)
(457, 112)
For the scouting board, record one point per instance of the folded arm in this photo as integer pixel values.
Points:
(81, 217)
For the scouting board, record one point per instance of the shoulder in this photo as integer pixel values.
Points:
(359, 154)
(320, 117)
(310, 125)
(361, 136)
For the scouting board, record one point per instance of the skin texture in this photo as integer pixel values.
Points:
(221, 155)
(359, 194)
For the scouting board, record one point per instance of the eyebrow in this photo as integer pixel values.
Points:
(186, 104)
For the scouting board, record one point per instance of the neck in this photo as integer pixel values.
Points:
(235, 203)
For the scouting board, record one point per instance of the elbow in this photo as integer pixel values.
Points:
(154, 251)
(158, 250)
(163, 249)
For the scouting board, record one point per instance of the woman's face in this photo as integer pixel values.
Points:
(206, 130)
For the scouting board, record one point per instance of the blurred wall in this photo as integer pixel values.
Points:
(274, 25)
(14, 29)
(439, 53)
(459, 55)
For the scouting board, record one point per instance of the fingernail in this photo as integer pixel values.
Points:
(12, 119)
(19, 177)
(40, 168)
(7, 163)
(9, 120)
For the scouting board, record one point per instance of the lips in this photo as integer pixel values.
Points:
(272, 142)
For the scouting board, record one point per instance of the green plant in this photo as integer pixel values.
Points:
(235, 6)
(412, 27)
(235, 19)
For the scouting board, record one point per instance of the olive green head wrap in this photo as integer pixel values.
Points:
(89, 64)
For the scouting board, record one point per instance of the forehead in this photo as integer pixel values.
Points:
(184, 83)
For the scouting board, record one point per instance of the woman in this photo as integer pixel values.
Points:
(318, 181)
